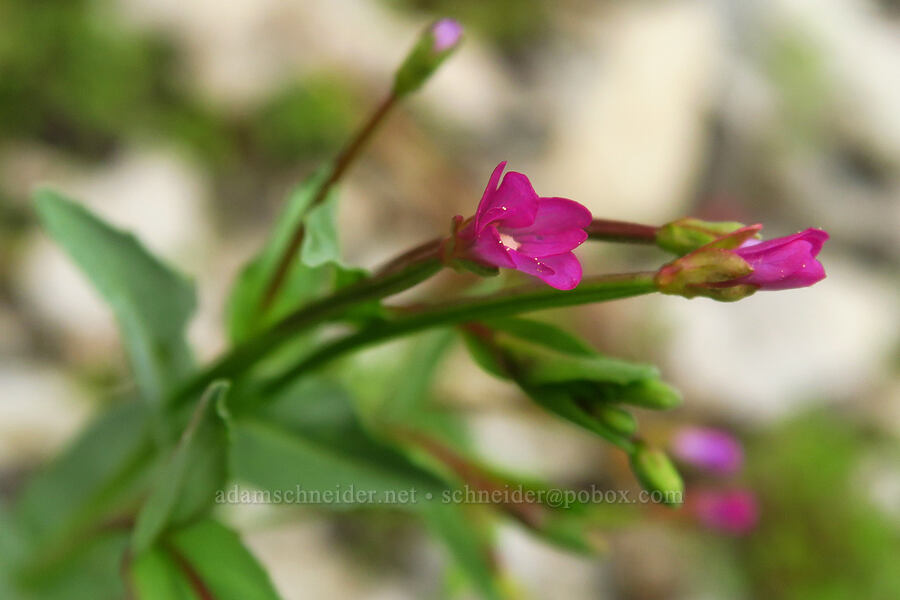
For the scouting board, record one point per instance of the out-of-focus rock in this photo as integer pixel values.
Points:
(859, 50)
(545, 571)
(40, 409)
(768, 355)
(252, 46)
(629, 121)
(302, 562)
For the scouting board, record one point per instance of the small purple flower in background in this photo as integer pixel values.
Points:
(730, 511)
(514, 228)
(447, 33)
(785, 262)
(710, 449)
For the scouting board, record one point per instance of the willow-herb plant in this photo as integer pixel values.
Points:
(128, 509)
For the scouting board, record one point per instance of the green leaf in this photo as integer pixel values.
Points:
(561, 403)
(317, 269)
(222, 561)
(548, 367)
(151, 302)
(545, 334)
(93, 572)
(200, 454)
(205, 560)
(320, 239)
(11, 548)
(468, 541)
(311, 438)
(155, 575)
(105, 468)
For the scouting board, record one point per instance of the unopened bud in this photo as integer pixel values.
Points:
(704, 271)
(435, 44)
(657, 473)
(688, 234)
(618, 419)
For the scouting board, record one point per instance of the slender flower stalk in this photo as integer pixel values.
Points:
(434, 45)
(605, 230)
(515, 301)
(340, 166)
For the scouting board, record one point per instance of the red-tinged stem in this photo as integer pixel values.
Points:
(343, 161)
(621, 231)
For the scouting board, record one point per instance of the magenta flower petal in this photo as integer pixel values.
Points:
(730, 511)
(562, 271)
(785, 262)
(559, 226)
(710, 449)
(513, 203)
(489, 248)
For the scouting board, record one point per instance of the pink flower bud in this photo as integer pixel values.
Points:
(514, 228)
(785, 262)
(730, 511)
(710, 449)
(447, 33)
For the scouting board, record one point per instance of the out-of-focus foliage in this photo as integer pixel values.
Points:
(820, 536)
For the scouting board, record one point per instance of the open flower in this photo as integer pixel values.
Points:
(514, 228)
(785, 262)
(710, 449)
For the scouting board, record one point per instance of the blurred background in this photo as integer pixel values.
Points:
(188, 122)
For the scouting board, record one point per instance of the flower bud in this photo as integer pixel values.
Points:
(617, 419)
(657, 473)
(434, 45)
(688, 234)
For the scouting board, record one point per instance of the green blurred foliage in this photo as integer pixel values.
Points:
(305, 119)
(75, 78)
(820, 537)
(70, 78)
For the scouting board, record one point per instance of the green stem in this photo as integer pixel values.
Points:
(510, 302)
(401, 274)
(341, 163)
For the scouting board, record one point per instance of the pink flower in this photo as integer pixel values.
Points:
(447, 33)
(514, 228)
(785, 262)
(729, 511)
(710, 449)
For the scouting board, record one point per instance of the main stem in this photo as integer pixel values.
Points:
(510, 302)
(400, 274)
(343, 161)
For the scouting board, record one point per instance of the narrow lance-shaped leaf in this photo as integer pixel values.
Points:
(202, 445)
(204, 560)
(105, 468)
(310, 439)
(152, 303)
